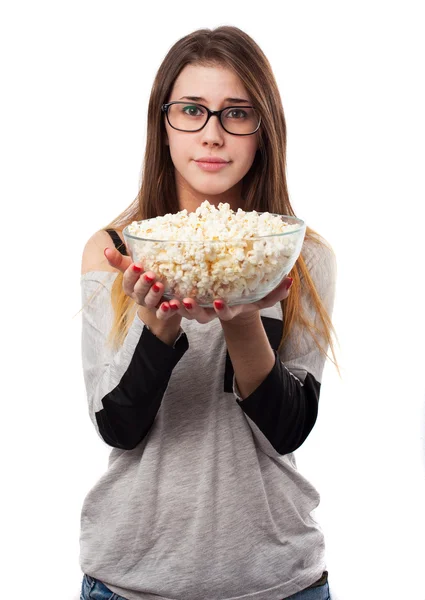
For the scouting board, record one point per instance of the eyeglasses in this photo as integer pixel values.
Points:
(237, 120)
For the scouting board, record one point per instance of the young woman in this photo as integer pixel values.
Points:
(204, 407)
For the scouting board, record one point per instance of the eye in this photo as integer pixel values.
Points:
(192, 110)
(236, 113)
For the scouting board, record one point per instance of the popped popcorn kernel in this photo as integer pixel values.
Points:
(216, 252)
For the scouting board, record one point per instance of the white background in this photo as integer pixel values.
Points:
(76, 78)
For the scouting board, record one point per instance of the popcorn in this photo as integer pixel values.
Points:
(216, 252)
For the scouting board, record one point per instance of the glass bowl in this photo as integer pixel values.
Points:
(237, 271)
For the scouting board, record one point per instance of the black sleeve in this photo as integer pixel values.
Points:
(283, 407)
(129, 409)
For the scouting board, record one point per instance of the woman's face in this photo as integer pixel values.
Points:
(212, 86)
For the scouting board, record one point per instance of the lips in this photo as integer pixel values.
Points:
(211, 159)
(211, 164)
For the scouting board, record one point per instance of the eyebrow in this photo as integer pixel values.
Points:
(197, 98)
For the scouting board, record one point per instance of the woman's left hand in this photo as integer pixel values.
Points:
(237, 313)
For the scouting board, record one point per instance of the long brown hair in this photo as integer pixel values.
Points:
(264, 187)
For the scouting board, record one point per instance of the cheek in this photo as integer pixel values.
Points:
(255, 144)
(179, 148)
(248, 153)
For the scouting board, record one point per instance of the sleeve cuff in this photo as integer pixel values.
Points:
(180, 332)
(270, 385)
(259, 390)
(163, 353)
(236, 390)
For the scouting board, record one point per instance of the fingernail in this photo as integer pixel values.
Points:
(137, 269)
(288, 284)
(104, 252)
(155, 287)
(149, 279)
(174, 307)
(188, 305)
(218, 304)
(165, 307)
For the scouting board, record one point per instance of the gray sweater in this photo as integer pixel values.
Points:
(202, 499)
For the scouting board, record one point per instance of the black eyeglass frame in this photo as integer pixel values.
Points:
(211, 113)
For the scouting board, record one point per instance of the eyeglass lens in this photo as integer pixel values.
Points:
(191, 117)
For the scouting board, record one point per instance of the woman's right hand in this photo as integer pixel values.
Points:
(142, 287)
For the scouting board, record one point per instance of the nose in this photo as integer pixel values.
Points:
(212, 133)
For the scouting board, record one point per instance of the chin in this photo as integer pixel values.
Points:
(211, 191)
(212, 188)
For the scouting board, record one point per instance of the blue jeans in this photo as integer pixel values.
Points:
(317, 593)
(93, 589)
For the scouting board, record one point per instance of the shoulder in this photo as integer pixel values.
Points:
(93, 258)
(320, 261)
(318, 254)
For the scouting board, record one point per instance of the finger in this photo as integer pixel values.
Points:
(177, 307)
(192, 310)
(189, 307)
(281, 292)
(155, 293)
(164, 311)
(137, 283)
(174, 306)
(284, 286)
(117, 260)
(224, 312)
(186, 308)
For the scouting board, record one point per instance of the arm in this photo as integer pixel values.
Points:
(279, 392)
(166, 331)
(250, 352)
(124, 387)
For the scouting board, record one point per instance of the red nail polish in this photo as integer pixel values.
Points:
(165, 308)
(174, 307)
(137, 269)
(149, 279)
(155, 287)
(188, 305)
(288, 285)
(218, 304)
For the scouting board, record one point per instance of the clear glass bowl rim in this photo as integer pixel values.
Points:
(295, 220)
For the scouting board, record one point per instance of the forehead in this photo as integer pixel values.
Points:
(212, 83)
